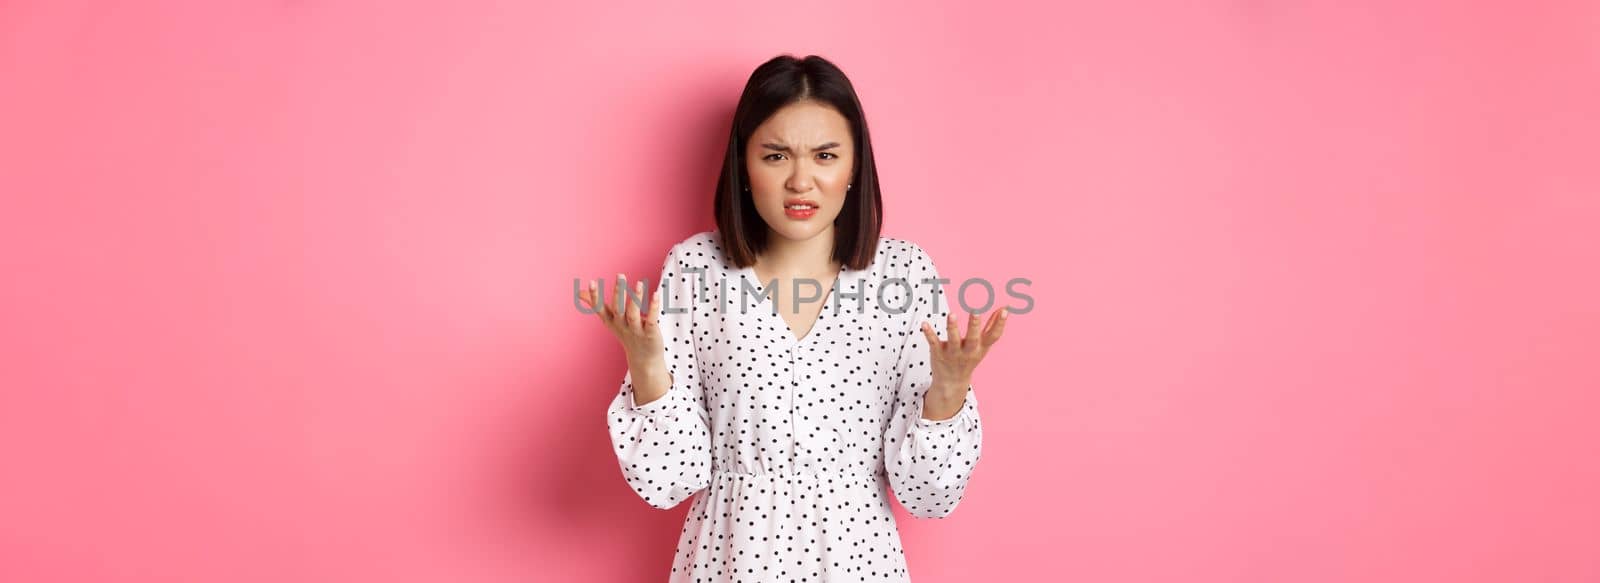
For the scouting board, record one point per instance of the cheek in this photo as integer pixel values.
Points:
(768, 197)
(843, 173)
(767, 177)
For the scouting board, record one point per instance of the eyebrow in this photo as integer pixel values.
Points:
(783, 148)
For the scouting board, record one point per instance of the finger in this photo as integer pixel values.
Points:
(932, 336)
(640, 308)
(597, 302)
(603, 308)
(633, 304)
(608, 312)
(993, 317)
(619, 307)
(952, 330)
(974, 332)
(996, 329)
(653, 317)
(588, 297)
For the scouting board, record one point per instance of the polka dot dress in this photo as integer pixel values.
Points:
(786, 444)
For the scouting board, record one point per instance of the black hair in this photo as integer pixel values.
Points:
(778, 82)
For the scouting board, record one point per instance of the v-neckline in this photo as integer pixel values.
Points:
(761, 291)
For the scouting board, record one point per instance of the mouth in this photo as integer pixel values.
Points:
(800, 209)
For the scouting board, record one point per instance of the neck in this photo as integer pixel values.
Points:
(790, 258)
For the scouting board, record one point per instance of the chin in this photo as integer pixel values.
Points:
(800, 230)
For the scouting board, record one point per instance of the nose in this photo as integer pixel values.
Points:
(800, 179)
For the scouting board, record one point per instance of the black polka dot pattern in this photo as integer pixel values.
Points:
(789, 445)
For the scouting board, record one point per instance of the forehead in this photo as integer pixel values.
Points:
(804, 122)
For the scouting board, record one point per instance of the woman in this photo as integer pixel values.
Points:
(787, 424)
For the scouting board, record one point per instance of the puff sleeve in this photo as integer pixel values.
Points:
(928, 462)
(664, 446)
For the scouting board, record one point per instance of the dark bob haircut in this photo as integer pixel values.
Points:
(776, 83)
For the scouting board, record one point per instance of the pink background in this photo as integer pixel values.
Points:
(288, 284)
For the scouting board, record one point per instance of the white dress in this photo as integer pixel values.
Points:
(787, 444)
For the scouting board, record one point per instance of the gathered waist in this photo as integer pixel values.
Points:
(799, 473)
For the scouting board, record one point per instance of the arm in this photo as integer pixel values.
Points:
(928, 460)
(658, 426)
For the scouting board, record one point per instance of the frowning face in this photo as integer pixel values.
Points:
(800, 161)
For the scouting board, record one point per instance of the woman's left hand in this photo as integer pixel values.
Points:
(955, 359)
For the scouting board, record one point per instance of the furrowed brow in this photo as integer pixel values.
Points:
(783, 148)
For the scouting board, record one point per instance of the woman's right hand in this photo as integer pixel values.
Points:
(637, 328)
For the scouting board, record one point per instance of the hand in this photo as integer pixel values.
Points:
(638, 329)
(954, 360)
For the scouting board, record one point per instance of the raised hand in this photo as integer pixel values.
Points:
(637, 329)
(954, 360)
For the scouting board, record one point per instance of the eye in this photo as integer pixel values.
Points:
(828, 154)
(769, 157)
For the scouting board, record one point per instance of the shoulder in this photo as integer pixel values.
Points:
(702, 239)
(703, 248)
(702, 242)
(903, 255)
